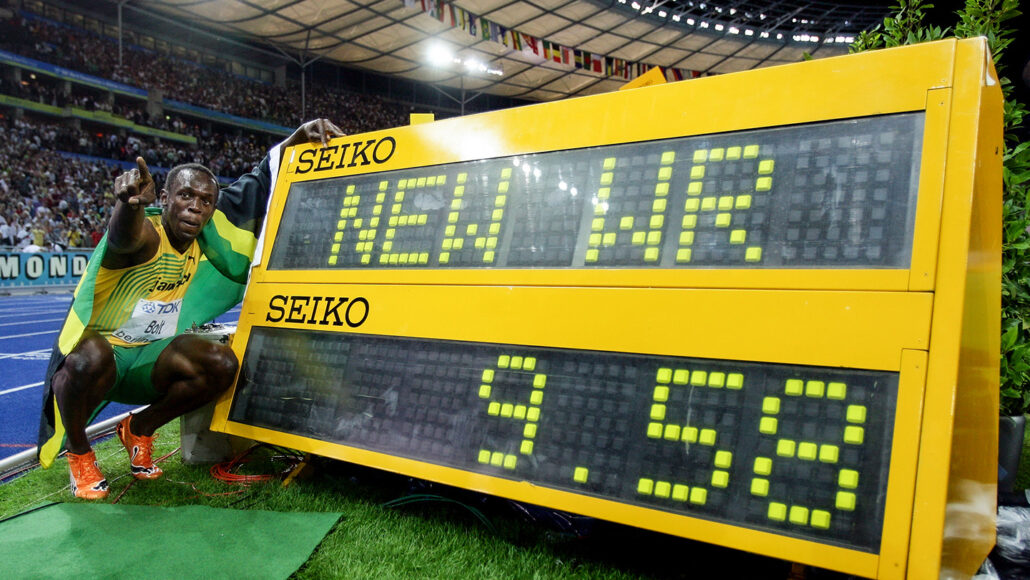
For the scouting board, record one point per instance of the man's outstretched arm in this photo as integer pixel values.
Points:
(248, 195)
(131, 239)
(244, 204)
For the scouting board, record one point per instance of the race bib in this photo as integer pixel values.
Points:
(151, 320)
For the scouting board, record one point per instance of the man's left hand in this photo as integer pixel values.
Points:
(318, 130)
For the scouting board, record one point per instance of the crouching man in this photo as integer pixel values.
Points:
(129, 351)
(120, 342)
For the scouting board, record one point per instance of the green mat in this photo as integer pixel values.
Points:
(68, 540)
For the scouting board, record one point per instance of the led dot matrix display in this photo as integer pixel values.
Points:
(839, 194)
(799, 450)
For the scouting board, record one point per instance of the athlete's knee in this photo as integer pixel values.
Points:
(214, 362)
(222, 365)
(92, 358)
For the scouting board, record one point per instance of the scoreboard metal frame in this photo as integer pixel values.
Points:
(931, 323)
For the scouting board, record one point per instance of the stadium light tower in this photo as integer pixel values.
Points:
(120, 33)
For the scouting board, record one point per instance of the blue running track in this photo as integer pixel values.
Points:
(28, 327)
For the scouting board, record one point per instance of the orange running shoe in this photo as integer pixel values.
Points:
(87, 481)
(140, 448)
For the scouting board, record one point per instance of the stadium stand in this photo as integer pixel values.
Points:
(190, 82)
(48, 199)
(83, 135)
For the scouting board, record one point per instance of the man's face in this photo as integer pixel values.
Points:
(188, 203)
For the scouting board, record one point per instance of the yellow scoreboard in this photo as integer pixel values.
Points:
(759, 309)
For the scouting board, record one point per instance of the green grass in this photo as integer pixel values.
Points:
(458, 535)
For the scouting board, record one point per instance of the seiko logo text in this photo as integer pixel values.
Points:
(323, 311)
(347, 155)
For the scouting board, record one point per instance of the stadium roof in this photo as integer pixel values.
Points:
(397, 37)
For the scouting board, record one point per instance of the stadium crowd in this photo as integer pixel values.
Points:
(69, 198)
(227, 153)
(50, 93)
(49, 201)
(55, 178)
(191, 82)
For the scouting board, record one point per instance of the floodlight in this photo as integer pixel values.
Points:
(440, 54)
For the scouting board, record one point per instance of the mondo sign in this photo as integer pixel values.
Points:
(41, 269)
(699, 308)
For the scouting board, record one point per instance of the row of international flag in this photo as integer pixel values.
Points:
(480, 27)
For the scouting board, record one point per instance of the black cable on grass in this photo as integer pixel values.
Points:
(425, 497)
(29, 511)
(285, 451)
(243, 498)
(567, 524)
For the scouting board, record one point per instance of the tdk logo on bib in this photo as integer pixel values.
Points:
(154, 307)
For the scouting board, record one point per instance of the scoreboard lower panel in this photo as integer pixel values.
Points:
(758, 310)
(782, 447)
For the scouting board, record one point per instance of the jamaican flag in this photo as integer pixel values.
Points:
(227, 241)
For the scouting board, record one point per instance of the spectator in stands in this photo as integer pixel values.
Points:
(71, 196)
(23, 237)
(71, 188)
(38, 234)
(7, 233)
(74, 238)
(127, 350)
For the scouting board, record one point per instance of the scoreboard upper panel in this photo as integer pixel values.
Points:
(825, 195)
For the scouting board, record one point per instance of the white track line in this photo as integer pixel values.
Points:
(21, 388)
(5, 300)
(36, 297)
(29, 334)
(45, 351)
(24, 313)
(31, 322)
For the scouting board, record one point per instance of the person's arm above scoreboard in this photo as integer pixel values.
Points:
(242, 206)
(248, 195)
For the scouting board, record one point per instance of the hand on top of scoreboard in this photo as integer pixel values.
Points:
(317, 130)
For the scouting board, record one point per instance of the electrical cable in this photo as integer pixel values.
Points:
(158, 460)
(425, 497)
(203, 493)
(225, 471)
(122, 492)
